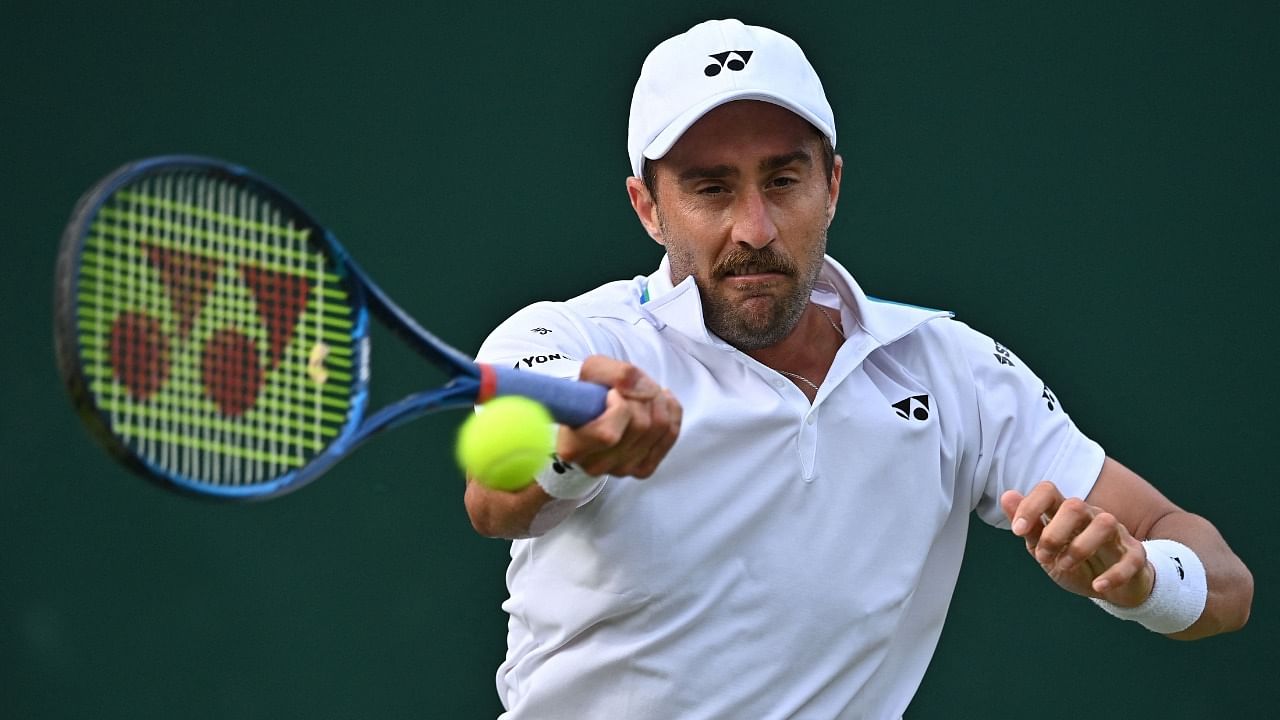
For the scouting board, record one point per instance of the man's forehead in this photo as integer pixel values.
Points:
(765, 164)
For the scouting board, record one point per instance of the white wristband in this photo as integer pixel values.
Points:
(1177, 599)
(566, 481)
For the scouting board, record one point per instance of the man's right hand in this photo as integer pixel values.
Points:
(637, 429)
(639, 426)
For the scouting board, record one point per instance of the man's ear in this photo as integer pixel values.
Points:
(833, 196)
(646, 208)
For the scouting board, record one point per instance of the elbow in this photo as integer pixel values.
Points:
(1245, 605)
(1238, 608)
(1227, 612)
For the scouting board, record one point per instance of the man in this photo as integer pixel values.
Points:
(768, 520)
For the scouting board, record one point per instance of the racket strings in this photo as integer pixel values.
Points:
(216, 339)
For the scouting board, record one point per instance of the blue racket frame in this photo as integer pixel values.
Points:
(571, 403)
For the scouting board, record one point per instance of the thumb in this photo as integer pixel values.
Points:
(1009, 502)
(629, 380)
(635, 385)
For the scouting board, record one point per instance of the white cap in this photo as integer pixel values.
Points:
(716, 62)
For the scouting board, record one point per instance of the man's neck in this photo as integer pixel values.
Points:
(810, 348)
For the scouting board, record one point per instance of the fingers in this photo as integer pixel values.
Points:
(1082, 547)
(1095, 545)
(639, 426)
(661, 436)
(1117, 562)
(1027, 514)
(1066, 523)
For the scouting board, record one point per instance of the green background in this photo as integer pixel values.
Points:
(1094, 184)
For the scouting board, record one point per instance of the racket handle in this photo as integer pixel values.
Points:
(571, 402)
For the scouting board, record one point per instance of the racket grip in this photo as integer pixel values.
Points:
(571, 402)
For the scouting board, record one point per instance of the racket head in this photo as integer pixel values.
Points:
(212, 334)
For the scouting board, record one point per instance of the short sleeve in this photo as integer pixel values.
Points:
(544, 338)
(1024, 435)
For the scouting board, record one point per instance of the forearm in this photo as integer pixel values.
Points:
(1230, 584)
(502, 514)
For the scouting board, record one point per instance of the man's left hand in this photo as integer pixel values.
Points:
(1082, 547)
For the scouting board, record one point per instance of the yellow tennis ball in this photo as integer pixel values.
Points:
(507, 442)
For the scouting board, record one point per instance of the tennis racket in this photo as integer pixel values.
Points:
(214, 337)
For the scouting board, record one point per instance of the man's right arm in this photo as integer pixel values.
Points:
(504, 514)
(639, 426)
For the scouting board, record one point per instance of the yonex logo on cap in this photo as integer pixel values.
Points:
(722, 60)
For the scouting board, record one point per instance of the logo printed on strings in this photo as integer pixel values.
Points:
(231, 372)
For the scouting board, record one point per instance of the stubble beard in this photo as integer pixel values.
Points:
(758, 325)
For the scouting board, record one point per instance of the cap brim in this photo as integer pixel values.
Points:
(672, 132)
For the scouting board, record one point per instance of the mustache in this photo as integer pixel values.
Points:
(749, 261)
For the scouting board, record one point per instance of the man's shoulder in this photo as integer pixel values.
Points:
(893, 323)
(944, 346)
(619, 300)
(587, 322)
(927, 338)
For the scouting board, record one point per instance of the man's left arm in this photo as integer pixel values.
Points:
(1093, 546)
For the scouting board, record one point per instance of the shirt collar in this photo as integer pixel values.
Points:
(680, 306)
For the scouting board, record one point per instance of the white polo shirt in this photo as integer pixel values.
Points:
(787, 559)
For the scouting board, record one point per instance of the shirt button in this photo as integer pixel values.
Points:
(810, 420)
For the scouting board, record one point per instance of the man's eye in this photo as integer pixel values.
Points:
(712, 190)
(782, 182)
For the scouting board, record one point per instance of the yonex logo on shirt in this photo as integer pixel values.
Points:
(540, 359)
(722, 61)
(1049, 398)
(1003, 355)
(915, 407)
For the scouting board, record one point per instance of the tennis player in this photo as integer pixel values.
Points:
(768, 520)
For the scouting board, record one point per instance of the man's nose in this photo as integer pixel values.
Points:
(752, 222)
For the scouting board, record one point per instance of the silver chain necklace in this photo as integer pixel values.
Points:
(801, 378)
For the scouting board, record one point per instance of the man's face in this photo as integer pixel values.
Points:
(743, 205)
